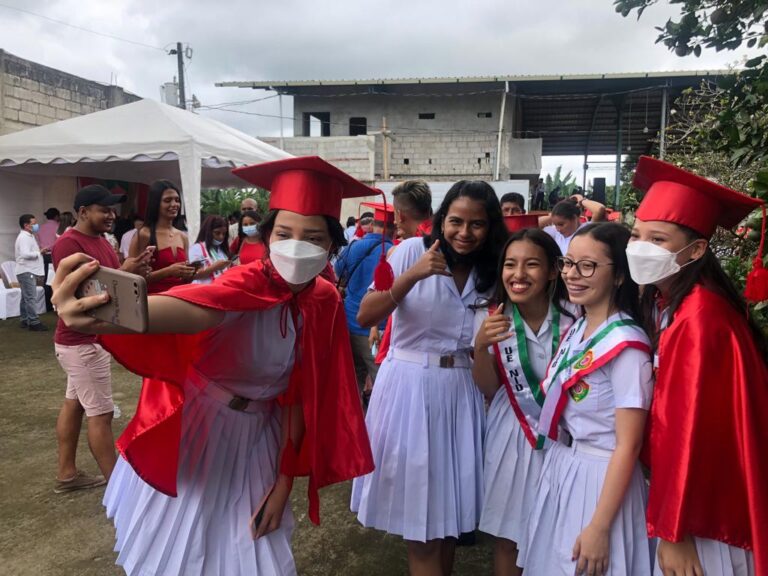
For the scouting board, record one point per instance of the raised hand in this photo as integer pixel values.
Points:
(70, 273)
(494, 329)
(431, 263)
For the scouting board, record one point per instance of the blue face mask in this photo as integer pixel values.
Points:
(35, 228)
(217, 242)
(251, 230)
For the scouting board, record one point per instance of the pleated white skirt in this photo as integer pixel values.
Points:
(511, 472)
(227, 463)
(720, 559)
(570, 486)
(426, 430)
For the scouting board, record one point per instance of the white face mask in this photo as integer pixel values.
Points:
(649, 263)
(297, 261)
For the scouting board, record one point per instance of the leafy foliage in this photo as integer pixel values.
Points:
(224, 201)
(565, 185)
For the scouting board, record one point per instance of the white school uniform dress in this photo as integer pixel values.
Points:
(562, 241)
(227, 463)
(198, 251)
(572, 477)
(512, 467)
(425, 422)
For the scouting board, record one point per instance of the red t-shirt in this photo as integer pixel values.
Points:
(97, 247)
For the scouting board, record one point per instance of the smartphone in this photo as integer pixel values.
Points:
(127, 305)
(197, 264)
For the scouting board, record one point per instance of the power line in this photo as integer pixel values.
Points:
(81, 28)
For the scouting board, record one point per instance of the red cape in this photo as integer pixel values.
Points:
(335, 446)
(707, 435)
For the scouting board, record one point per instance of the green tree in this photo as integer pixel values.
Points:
(565, 185)
(224, 201)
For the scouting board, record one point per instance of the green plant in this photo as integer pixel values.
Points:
(565, 185)
(224, 201)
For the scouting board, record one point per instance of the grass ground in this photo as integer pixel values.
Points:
(47, 534)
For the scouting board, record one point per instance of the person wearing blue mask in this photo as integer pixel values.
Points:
(29, 266)
(211, 249)
(248, 245)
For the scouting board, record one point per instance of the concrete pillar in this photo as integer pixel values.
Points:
(2, 91)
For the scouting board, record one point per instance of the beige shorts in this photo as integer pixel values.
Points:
(89, 376)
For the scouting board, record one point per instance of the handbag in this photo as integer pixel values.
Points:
(341, 284)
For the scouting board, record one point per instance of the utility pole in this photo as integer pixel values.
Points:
(180, 61)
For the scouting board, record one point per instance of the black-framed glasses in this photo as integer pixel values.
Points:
(585, 268)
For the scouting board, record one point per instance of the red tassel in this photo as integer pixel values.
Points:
(383, 276)
(757, 282)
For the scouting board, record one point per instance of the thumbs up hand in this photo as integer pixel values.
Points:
(432, 262)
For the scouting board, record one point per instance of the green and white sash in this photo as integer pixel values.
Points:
(566, 370)
(522, 384)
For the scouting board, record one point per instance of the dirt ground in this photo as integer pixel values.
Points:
(47, 534)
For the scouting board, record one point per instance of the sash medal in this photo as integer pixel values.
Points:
(522, 384)
(567, 371)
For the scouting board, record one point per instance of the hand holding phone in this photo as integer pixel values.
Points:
(127, 298)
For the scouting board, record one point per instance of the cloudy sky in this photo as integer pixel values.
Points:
(341, 39)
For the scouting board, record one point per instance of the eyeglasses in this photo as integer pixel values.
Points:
(585, 268)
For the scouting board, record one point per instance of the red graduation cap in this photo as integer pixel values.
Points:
(677, 196)
(306, 185)
(382, 212)
(520, 221)
(311, 186)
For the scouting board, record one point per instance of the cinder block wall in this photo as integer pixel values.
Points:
(32, 94)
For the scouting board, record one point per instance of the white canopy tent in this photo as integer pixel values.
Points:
(138, 142)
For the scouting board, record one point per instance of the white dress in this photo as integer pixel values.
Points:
(227, 463)
(425, 422)
(511, 466)
(572, 477)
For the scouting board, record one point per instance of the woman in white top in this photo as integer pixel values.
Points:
(589, 514)
(425, 418)
(565, 219)
(512, 349)
(211, 250)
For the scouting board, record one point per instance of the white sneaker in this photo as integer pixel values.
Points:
(117, 412)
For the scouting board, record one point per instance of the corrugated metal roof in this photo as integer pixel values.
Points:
(266, 84)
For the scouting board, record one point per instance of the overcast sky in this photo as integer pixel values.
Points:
(340, 39)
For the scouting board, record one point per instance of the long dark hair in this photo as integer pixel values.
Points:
(66, 220)
(552, 253)
(707, 272)
(486, 257)
(206, 233)
(154, 199)
(335, 231)
(615, 236)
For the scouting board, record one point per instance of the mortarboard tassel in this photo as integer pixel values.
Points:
(383, 276)
(756, 289)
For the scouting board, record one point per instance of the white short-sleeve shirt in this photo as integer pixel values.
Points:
(562, 241)
(433, 316)
(625, 382)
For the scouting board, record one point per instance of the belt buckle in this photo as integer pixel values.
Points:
(238, 403)
(446, 361)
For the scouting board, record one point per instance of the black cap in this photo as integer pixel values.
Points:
(51, 213)
(96, 194)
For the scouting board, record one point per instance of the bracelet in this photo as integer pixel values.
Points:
(393, 297)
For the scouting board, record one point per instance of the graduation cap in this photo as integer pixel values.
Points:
(306, 185)
(382, 212)
(311, 186)
(677, 196)
(520, 221)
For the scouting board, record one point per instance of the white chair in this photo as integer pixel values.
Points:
(10, 298)
(9, 271)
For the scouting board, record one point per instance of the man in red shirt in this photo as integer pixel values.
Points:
(87, 364)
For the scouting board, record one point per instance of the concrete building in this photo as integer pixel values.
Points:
(491, 128)
(32, 94)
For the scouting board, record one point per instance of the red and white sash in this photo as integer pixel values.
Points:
(566, 369)
(522, 384)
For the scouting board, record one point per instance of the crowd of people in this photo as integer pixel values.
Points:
(587, 393)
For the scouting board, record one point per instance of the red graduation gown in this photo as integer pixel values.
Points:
(707, 438)
(335, 446)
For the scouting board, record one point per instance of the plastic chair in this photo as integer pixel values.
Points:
(10, 298)
(9, 271)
